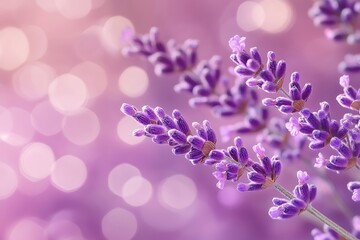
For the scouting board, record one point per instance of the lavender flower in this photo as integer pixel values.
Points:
(166, 58)
(250, 67)
(354, 187)
(351, 63)
(329, 233)
(263, 174)
(351, 97)
(277, 137)
(295, 98)
(304, 194)
(337, 16)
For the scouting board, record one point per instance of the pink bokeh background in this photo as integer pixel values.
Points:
(69, 166)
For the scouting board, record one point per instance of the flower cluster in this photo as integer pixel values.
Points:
(304, 194)
(241, 99)
(249, 66)
(198, 148)
(270, 78)
(331, 234)
(338, 17)
(166, 58)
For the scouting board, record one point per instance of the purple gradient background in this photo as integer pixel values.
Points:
(214, 214)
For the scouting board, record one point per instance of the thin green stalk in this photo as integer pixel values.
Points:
(317, 214)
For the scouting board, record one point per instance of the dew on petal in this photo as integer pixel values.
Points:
(14, 47)
(36, 160)
(133, 81)
(67, 93)
(82, 127)
(119, 224)
(69, 173)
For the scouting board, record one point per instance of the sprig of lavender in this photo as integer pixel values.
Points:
(230, 164)
(339, 17)
(202, 80)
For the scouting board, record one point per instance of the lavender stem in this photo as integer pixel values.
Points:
(317, 214)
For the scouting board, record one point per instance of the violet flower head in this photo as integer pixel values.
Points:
(304, 194)
(166, 57)
(337, 16)
(329, 233)
(354, 187)
(237, 44)
(277, 136)
(295, 98)
(234, 162)
(160, 127)
(201, 144)
(350, 64)
(262, 174)
(351, 97)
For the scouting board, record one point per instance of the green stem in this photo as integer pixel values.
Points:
(317, 214)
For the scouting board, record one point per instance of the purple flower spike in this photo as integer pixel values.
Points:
(354, 187)
(127, 109)
(350, 98)
(237, 44)
(304, 194)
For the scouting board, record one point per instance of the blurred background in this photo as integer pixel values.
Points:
(70, 168)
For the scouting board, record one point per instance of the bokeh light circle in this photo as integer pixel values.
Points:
(137, 191)
(32, 80)
(250, 16)
(93, 75)
(112, 31)
(177, 192)
(10, 4)
(22, 131)
(36, 160)
(133, 81)
(67, 93)
(27, 228)
(73, 9)
(14, 47)
(278, 15)
(119, 175)
(123, 132)
(47, 5)
(81, 128)
(38, 42)
(119, 224)
(69, 173)
(6, 121)
(45, 119)
(9, 181)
